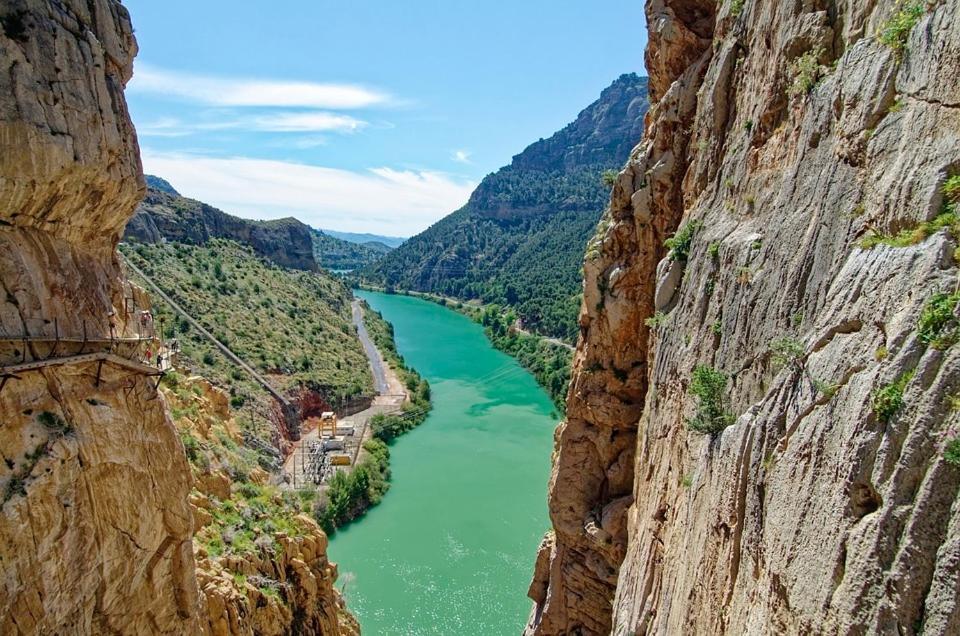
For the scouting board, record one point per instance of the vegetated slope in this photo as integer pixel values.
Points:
(519, 241)
(165, 215)
(291, 325)
(762, 434)
(343, 256)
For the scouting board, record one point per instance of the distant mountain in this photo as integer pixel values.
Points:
(339, 255)
(520, 239)
(163, 216)
(363, 239)
(160, 184)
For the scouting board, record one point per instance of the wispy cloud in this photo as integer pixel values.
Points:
(380, 200)
(461, 156)
(244, 92)
(279, 122)
(307, 122)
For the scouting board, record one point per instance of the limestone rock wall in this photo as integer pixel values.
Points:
(785, 133)
(96, 528)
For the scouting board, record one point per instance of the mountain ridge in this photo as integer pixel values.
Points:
(520, 238)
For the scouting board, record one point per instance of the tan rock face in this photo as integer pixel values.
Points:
(291, 592)
(66, 138)
(95, 523)
(96, 526)
(786, 133)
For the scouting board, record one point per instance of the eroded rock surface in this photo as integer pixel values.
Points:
(786, 132)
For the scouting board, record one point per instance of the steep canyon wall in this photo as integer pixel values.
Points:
(790, 144)
(96, 530)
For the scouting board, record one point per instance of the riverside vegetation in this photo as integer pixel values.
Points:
(548, 361)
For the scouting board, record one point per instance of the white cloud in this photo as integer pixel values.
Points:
(281, 122)
(222, 91)
(308, 122)
(380, 200)
(462, 156)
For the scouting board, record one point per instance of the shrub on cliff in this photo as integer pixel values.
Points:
(888, 400)
(937, 325)
(896, 30)
(709, 387)
(679, 244)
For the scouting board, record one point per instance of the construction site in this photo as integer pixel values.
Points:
(331, 443)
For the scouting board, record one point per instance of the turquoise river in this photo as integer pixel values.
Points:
(450, 550)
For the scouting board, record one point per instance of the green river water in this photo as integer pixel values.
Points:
(450, 550)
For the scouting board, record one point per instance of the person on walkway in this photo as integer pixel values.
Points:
(149, 354)
(159, 361)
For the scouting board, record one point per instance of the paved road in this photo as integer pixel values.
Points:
(388, 400)
(376, 362)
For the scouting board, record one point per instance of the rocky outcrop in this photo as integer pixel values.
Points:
(165, 215)
(282, 583)
(781, 136)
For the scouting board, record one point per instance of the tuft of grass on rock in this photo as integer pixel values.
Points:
(937, 325)
(888, 400)
(787, 351)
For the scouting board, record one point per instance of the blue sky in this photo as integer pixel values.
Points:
(369, 115)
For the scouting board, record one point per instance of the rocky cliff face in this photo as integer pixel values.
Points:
(95, 522)
(261, 560)
(165, 215)
(801, 155)
(95, 527)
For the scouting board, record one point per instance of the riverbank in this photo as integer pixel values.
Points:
(548, 359)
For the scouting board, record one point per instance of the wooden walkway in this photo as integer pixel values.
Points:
(10, 371)
(133, 365)
(75, 339)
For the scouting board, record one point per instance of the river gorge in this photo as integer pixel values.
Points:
(448, 551)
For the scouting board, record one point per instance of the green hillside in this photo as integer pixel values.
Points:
(520, 239)
(293, 326)
(338, 255)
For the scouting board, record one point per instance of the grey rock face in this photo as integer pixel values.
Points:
(790, 132)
